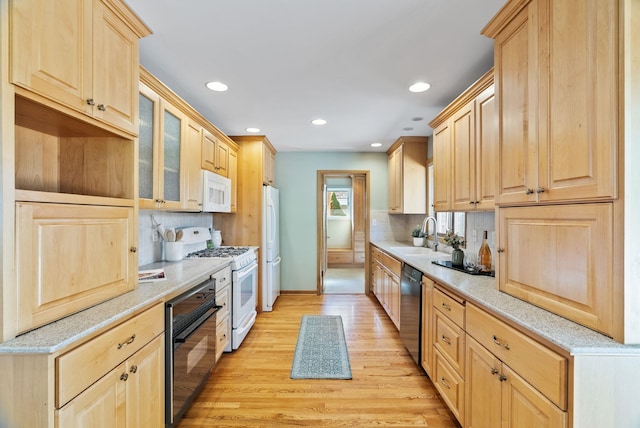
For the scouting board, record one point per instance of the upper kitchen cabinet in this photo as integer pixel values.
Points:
(90, 68)
(269, 156)
(215, 153)
(408, 176)
(465, 143)
(163, 129)
(558, 94)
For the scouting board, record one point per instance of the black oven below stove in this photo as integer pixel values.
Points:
(190, 326)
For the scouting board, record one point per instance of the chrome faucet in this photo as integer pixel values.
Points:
(425, 223)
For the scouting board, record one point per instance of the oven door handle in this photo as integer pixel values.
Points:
(182, 337)
(247, 270)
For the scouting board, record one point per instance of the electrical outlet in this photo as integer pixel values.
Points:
(374, 222)
(155, 236)
(474, 236)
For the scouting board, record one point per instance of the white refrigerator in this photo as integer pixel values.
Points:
(271, 247)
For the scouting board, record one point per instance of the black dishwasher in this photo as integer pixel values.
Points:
(410, 310)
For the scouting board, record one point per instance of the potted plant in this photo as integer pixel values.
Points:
(454, 241)
(418, 236)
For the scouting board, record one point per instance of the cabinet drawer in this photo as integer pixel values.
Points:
(340, 257)
(452, 308)
(392, 264)
(223, 299)
(80, 367)
(537, 364)
(450, 341)
(450, 385)
(223, 327)
(223, 278)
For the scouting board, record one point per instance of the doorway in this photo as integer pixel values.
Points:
(343, 231)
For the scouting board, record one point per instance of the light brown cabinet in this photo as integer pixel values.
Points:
(386, 272)
(269, 156)
(465, 144)
(448, 318)
(558, 130)
(511, 377)
(193, 171)
(568, 266)
(407, 175)
(130, 395)
(91, 67)
(163, 142)
(427, 326)
(245, 226)
(99, 260)
(215, 154)
(223, 316)
(114, 377)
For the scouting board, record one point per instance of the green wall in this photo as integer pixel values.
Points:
(296, 178)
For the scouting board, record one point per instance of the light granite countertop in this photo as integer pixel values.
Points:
(482, 290)
(180, 277)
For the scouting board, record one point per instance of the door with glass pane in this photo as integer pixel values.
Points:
(148, 156)
(172, 132)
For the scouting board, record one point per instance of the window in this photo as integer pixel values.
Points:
(451, 221)
(339, 203)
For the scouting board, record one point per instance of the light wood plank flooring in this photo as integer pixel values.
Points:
(251, 386)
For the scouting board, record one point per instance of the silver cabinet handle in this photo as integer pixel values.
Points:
(445, 306)
(101, 107)
(539, 189)
(129, 341)
(133, 369)
(124, 377)
(444, 382)
(529, 191)
(446, 340)
(90, 102)
(500, 343)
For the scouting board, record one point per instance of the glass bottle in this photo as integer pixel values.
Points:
(484, 255)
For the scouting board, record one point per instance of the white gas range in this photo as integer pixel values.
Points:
(244, 283)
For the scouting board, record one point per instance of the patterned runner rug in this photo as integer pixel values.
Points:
(321, 351)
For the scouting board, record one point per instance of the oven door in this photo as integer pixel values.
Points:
(245, 288)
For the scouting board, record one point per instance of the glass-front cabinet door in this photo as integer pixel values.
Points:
(161, 136)
(147, 155)
(172, 134)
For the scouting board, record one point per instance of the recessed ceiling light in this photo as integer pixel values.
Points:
(408, 128)
(376, 144)
(217, 86)
(419, 87)
(417, 119)
(254, 130)
(319, 122)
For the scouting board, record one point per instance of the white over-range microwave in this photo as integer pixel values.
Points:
(216, 193)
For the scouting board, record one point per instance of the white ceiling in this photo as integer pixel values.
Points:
(287, 62)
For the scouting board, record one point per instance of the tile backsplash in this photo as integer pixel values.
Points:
(150, 251)
(398, 227)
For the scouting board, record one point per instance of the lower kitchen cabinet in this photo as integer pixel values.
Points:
(128, 396)
(427, 325)
(386, 272)
(500, 397)
(116, 378)
(223, 316)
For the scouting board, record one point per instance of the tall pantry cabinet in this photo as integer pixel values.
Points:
(255, 169)
(565, 96)
(68, 135)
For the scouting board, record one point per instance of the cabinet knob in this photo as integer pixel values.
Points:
(124, 377)
(500, 250)
(90, 102)
(494, 371)
(539, 189)
(529, 191)
(133, 369)
(133, 249)
(502, 378)
(101, 107)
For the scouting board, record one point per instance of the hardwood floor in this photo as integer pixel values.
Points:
(251, 386)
